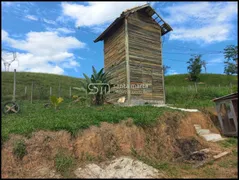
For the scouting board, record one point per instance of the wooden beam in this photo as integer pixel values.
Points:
(220, 117)
(127, 61)
(164, 96)
(234, 115)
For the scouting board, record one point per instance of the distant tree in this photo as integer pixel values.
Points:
(165, 69)
(230, 69)
(231, 63)
(204, 65)
(194, 67)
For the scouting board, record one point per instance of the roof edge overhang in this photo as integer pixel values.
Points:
(226, 97)
(165, 28)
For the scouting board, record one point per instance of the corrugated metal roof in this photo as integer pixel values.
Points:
(165, 28)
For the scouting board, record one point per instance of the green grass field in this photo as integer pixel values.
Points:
(74, 117)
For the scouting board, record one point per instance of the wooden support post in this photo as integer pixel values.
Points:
(127, 62)
(234, 115)
(218, 105)
(14, 86)
(32, 92)
(50, 91)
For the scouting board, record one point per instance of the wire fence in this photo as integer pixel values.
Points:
(37, 91)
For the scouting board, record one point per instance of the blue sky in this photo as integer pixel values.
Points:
(57, 37)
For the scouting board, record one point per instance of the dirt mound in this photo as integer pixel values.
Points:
(173, 136)
(41, 149)
(109, 139)
(123, 167)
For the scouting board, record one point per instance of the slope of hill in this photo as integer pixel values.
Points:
(43, 82)
(207, 79)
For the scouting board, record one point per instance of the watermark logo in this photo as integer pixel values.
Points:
(103, 88)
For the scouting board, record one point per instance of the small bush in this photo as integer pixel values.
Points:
(19, 149)
(56, 101)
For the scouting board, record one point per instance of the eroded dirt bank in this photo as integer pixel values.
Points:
(171, 138)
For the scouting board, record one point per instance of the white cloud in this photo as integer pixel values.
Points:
(45, 43)
(208, 34)
(71, 64)
(96, 13)
(31, 17)
(48, 21)
(61, 30)
(215, 61)
(202, 21)
(81, 58)
(43, 49)
(4, 35)
(171, 72)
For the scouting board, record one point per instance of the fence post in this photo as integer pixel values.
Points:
(32, 92)
(59, 90)
(195, 84)
(50, 91)
(26, 92)
(14, 86)
(70, 91)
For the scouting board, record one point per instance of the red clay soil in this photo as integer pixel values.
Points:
(160, 142)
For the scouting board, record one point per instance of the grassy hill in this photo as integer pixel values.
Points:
(207, 79)
(179, 90)
(42, 83)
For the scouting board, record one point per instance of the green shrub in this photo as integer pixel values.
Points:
(56, 101)
(19, 149)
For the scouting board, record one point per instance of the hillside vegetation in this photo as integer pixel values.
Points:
(179, 91)
(42, 83)
(207, 79)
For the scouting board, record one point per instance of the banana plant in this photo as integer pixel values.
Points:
(95, 82)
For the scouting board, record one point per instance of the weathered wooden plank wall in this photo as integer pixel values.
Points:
(114, 60)
(145, 57)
